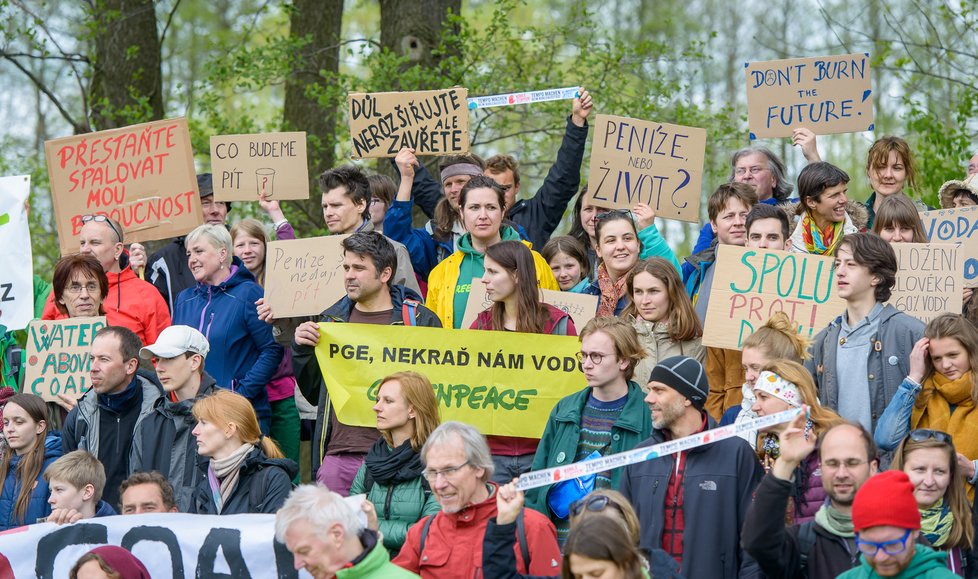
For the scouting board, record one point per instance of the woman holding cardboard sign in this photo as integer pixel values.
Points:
(481, 204)
(511, 283)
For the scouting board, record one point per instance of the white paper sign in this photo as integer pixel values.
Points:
(16, 261)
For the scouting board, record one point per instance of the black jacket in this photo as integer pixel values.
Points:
(164, 443)
(309, 376)
(167, 269)
(263, 485)
(776, 548)
(720, 478)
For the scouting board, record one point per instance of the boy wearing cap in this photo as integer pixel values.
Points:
(692, 504)
(163, 442)
(887, 522)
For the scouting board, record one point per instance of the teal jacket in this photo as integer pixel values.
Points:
(558, 447)
(374, 564)
(398, 507)
(926, 564)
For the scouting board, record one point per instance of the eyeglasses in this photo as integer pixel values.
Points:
(105, 220)
(850, 464)
(595, 357)
(593, 503)
(922, 434)
(432, 475)
(76, 288)
(894, 547)
(741, 171)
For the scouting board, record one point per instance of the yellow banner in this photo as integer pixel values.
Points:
(503, 383)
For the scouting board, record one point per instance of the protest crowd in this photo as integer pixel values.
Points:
(832, 428)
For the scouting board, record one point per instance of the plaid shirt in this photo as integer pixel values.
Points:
(675, 522)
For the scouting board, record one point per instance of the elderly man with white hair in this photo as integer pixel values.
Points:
(448, 544)
(328, 539)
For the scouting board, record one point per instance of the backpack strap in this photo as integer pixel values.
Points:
(806, 542)
(424, 533)
(560, 328)
(521, 539)
(409, 312)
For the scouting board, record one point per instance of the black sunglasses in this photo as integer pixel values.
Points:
(593, 503)
(922, 434)
(613, 213)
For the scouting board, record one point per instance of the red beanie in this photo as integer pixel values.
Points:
(122, 562)
(886, 499)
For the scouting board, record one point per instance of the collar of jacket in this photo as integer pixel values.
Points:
(625, 421)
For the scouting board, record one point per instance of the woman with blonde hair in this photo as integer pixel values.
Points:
(392, 473)
(929, 459)
(662, 313)
(780, 386)
(244, 472)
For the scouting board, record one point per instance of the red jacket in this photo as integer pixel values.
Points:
(132, 303)
(453, 548)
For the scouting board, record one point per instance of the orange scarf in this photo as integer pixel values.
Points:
(933, 410)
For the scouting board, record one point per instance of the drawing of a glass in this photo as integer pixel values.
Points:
(266, 180)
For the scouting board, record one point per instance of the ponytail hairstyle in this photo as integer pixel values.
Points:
(253, 228)
(684, 324)
(950, 326)
(225, 407)
(779, 339)
(32, 461)
(532, 316)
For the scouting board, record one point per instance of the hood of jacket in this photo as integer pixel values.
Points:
(239, 275)
(464, 244)
(855, 210)
(705, 257)
(256, 461)
(52, 446)
(88, 409)
(183, 408)
(340, 311)
(925, 560)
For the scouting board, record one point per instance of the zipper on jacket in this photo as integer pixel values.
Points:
(118, 433)
(387, 502)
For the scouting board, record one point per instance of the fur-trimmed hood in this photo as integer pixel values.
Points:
(857, 213)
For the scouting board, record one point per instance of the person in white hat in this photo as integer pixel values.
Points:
(164, 442)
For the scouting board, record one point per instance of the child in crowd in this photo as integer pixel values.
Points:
(77, 480)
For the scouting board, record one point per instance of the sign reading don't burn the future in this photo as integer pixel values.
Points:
(635, 161)
(432, 122)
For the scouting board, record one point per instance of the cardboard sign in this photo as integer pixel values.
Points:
(433, 122)
(929, 281)
(16, 261)
(142, 176)
(167, 544)
(956, 226)
(303, 277)
(58, 356)
(505, 385)
(751, 284)
(827, 94)
(580, 307)
(635, 161)
(246, 167)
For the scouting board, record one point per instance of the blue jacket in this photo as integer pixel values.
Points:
(38, 506)
(243, 355)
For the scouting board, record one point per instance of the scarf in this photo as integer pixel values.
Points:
(936, 523)
(222, 474)
(820, 242)
(934, 411)
(611, 292)
(834, 522)
(390, 466)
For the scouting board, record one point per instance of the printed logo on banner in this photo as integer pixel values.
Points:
(16, 259)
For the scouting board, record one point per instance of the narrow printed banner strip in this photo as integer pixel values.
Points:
(523, 98)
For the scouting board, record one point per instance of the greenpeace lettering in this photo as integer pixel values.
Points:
(635, 161)
(506, 389)
(433, 122)
(142, 176)
(749, 285)
(827, 94)
(58, 359)
(929, 281)
(16, 259)
(270, 165)
(956, 226)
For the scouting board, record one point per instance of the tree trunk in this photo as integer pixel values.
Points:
(127, 85)
(321, 21)
(412, 28)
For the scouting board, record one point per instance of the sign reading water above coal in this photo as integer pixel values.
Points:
(827, 94)
(270, 165)
(432, 122)
(635, 161)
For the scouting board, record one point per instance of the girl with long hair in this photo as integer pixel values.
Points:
(30, 449)
(244, 471)
(662, 313)
(899, 221)
(392, 474)
(930, 460)
(600, 547)
(569, 261)
(511, 284)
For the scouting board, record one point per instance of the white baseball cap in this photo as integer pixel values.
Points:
(174, 341)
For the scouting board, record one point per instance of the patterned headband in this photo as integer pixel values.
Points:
(779, 388)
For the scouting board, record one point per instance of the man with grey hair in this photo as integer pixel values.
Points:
(327, 539)
(449, 544)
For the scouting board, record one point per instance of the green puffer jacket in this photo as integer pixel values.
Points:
(398, 507)
(375, 564)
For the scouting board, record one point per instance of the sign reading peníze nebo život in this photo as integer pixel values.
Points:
(749, 285)
(826, 94)
(432, 122)
(58, 356)
(635, 161)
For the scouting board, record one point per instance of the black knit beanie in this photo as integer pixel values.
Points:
(684, 375)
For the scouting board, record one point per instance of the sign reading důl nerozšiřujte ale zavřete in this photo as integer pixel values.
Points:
(432, 122)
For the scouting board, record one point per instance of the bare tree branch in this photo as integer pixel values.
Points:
(169, 20)
(78, 128)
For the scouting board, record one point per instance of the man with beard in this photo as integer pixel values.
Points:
(693, 503)
(824, 547)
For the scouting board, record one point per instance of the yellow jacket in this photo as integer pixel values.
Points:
(442, 280)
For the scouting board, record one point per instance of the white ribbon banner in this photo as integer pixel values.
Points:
(523, 98)
(541, 478)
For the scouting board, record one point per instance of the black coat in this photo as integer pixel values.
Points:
(167, 269)
(263, 485)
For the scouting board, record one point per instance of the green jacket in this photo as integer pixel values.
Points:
(558, 447)
(398, 507)
(376, 565)
(926, 564)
